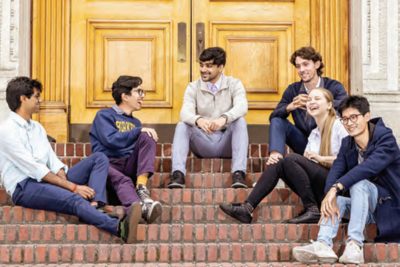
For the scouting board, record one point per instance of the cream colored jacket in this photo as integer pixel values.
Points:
(200, 102)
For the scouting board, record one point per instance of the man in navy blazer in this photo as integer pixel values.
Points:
(368, 164)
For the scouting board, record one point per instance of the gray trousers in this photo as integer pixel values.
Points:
(230, 143)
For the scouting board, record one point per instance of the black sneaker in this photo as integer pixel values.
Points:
(177, 180)
(306, 216)
(144, 194)
(128, 226)
(237, 211)
(239, 180)
(151, 211)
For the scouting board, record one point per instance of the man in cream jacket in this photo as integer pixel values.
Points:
(212, 123)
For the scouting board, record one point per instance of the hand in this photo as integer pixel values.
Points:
(274, 158)
(329, 208)
(299, 101)
(151, 132)
(313, 156)
(204, 125)
(61, 174)
(85, 192)
(217, 124)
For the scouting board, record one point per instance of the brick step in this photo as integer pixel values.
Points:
(205, 264)
(279, 196)
(170, 253)
(170, 233)
(176, 213)
(163, 150)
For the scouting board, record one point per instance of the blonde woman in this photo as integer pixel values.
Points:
(305, 175)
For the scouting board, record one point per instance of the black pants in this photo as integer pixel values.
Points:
(306, 178)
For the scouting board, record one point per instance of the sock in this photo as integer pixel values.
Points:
(249, 208)
(141, 180)
(313, 208)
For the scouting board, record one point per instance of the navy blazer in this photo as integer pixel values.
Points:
(306, 123)
(382, 167)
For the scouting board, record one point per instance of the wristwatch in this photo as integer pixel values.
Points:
(336, 186)
(226, 117)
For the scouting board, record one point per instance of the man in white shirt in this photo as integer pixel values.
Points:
(212, 123)
(35, 178)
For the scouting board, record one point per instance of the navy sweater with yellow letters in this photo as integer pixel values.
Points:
(114, 134)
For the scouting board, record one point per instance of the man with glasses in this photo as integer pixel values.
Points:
(130, 148)
(212, 123)
(36, 179)
(368, 165)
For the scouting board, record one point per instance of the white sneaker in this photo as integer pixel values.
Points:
(352, 254)
(144, 194)
(316, 252)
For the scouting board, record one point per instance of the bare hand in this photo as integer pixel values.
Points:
(85, 191)
(204, 125)
(311, 155)
(329, 208)
(151, 132)
(217, 124)
(274, 158)
(61, 174)
(299, 101)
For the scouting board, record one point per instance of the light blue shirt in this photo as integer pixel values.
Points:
(214, 87)
(25, 152)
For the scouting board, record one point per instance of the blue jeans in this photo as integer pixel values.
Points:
(361, 206)
(230, 143)
(45, 196)
(281, 132)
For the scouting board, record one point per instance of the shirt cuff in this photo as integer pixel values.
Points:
(41, 172)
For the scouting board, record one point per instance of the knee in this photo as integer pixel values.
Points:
(277, 121)
(99, 157)
(290, 159)
(144, 137)
(241, 122)
(358, 188)
(181, 127)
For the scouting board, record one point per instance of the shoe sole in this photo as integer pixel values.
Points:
(296, 222)
(154, 212)
(134, 216)
(307, 257)
(233, 216)
(176, 185)
(351, 262)
(239, 185)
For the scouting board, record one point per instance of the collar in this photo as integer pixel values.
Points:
(371, 130)
(303, 87)
(18, 119)
(118, 110)
(217, 84)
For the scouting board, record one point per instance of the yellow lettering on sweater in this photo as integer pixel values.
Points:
(124, 126)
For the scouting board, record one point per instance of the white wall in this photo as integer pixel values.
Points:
(381, 58)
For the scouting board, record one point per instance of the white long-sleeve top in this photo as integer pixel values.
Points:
(25, 152)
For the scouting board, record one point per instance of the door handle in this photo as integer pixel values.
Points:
(200, 42)
(181, 42)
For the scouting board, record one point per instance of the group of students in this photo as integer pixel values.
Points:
(343, 163)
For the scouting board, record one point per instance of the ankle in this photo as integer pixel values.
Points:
(355, 243)
(313, 208)
(249, 208)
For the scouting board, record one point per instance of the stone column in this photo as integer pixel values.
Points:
(381, 59)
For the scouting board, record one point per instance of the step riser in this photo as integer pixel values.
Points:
(201, 252)
(170, 214)
(175, 233)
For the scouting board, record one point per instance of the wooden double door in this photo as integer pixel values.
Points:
(160, 40)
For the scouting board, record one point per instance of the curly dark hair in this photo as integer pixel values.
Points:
(216, 53)
(308, 53)
(124, 85)
(19, 86)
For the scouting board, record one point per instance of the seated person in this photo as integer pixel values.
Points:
(212, 123)
(309, 67)
(305, 175)
(130, 148)
(36, 179)
(368, 164)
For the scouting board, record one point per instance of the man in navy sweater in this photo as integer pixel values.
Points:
(130, 148)
(368, 165)
(309, 67)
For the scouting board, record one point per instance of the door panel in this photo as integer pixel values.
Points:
(138, 38)
(259, 38)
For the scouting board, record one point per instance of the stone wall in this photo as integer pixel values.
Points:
(381, 59)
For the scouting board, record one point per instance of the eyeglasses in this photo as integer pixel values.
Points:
(140, 92)
(207, 65)
(36, 95)
(352, 118)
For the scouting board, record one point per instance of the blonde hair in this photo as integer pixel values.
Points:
(325, 147)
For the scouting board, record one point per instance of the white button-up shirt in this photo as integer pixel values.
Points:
(318, 84)
(338, 133)
(25, 152)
